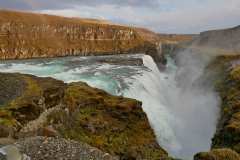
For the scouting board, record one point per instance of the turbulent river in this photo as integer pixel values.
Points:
(183, 126)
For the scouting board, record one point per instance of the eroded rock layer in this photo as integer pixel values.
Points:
(28, 35)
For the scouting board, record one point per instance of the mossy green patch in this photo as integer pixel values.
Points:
(114, 124)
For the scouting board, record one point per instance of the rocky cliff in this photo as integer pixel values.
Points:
(32, 106)
(225, 40)
(28, 35)
(225, 69)
(226, 142)
(228, 131)
(164, 38)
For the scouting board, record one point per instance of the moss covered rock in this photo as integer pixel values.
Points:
(77, 111)
(114, 124)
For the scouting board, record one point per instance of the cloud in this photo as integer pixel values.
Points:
(169, 16)
(56, 4)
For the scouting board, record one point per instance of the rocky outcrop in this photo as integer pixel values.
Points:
(218, 154)
(48, 107)
(226, 41)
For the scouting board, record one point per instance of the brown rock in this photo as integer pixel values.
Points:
(48, 131)
(218, 154)
(5, 131)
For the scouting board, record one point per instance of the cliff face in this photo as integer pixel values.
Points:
(226, 44)
(224, 71)
(226, 142)
(27, 35)
(221, 40)
(164, 38)
(224, 47)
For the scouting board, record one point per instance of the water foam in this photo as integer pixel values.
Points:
(182, 116)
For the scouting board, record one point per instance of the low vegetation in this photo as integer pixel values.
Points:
(116, 125)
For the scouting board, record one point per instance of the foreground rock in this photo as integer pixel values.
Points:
(36, 148)
(48, 107)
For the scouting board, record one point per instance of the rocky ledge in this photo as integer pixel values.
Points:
(31, 106)
(225, 70)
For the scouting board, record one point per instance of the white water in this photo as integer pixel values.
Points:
(183, 118)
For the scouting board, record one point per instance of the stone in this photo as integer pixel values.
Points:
(218, 154)
(58, 148)
(11, 152)
(48, 131)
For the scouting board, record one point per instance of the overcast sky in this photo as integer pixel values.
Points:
(166, 16)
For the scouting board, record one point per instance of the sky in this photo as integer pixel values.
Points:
(164, 16)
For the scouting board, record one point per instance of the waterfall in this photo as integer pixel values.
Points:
(182, 115)
(152, 88)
